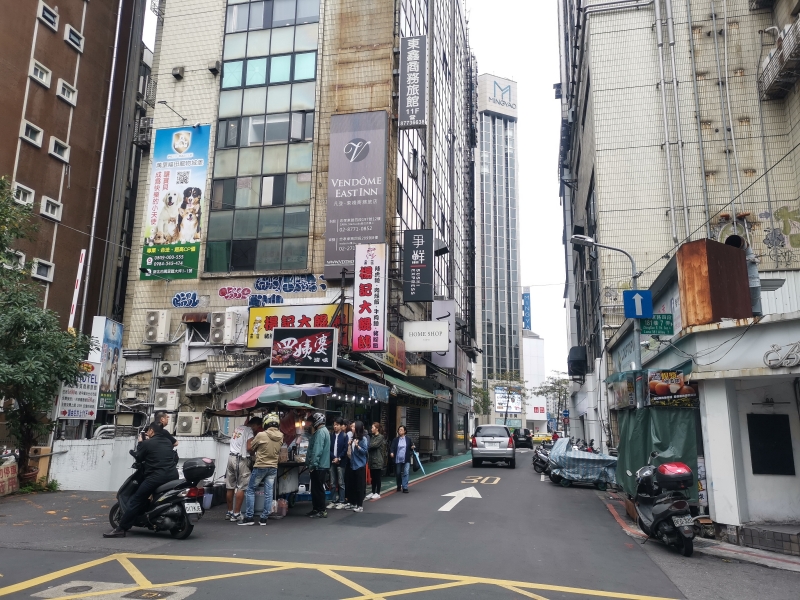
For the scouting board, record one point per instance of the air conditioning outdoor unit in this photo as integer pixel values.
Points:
(189, 423)
(222, 328)
(129, 395)
(166, 400)
(197, 384)
(157, 326)
(170, 368)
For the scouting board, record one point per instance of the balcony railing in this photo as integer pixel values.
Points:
(783, 69)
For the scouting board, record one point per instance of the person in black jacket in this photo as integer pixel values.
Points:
(402, 452)
(159, 461)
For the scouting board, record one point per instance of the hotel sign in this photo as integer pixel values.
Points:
(413, 80)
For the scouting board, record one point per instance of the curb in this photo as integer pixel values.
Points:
(719, 549)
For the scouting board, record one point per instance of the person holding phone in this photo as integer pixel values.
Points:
(358, 451)
(402, 452)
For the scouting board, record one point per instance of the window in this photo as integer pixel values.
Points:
(40, 73)
(23, 194)
(237, 18)
(66, 92)
(414, 166)
(58, 149)
(31, 133)
(51, 208)
(284, 13)
(48, 16)
(305, 66)
(228, 133)
(232, 74)
(280, 69)
(17, 261)
(42, 269)
(307, 11)
(770, 444)
(73, 38)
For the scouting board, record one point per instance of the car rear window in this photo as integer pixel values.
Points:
(491, 432)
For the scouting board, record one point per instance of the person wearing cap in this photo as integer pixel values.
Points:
(266, 446)
(318, 459)
(237, 475)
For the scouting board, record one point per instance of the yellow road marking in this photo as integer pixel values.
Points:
(24, 585)
(135, 573)
(427, 588)
(524, 593)
(334, 570)
(173, 583)
(351, 584)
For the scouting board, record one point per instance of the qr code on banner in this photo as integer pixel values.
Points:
(183, 177)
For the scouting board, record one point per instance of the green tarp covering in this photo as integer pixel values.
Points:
(672, 432)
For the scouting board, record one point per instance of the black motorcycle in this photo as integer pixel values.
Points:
(662, 505)
(541, 459)
(173, 506)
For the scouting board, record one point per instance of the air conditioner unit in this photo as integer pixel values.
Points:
(170, 368)
(166, 400)
(157, 326)
(222, 328)
(189, 423)
(197, 384)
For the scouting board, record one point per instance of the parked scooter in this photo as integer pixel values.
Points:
(173, 505)
(541, 459)
(662, 506)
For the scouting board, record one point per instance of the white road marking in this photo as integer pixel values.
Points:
(458, 496)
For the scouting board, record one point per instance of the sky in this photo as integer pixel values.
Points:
(518, 39)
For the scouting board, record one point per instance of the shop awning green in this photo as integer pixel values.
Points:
(376, 390)
(406, 388)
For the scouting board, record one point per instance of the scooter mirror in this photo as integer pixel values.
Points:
(653, 454)
(629, 473)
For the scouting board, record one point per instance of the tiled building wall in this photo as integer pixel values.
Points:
(631, 179)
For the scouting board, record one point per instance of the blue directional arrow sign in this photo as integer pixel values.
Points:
(565, 413)
(638, 304)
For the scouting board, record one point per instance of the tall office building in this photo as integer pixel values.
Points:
(497, 262)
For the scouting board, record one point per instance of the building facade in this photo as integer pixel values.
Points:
(533, 373)
(243, 143)
(676, 126)
(65, 72)
(497, 227)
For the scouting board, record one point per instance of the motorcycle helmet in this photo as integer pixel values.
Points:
(318, 419)
(272, 420)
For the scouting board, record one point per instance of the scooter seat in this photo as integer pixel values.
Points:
(168, 486)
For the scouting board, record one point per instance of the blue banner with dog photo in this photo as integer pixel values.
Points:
(174, 209)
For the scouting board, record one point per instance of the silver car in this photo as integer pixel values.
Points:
(493, 443)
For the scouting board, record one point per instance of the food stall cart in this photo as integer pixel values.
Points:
(285, 399)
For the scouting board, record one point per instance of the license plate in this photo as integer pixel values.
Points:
(687, 520)
(492, 444)
(192, 508)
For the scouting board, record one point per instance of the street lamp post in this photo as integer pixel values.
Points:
(585, 240)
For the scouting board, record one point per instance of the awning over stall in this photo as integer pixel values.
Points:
(403, 387)
(378, 391)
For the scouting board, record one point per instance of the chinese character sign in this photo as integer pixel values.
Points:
(418, 265)
(174, 206)
(413, 81)
(356, 188)
(369, 298)
(79, 401)
(108, 335)
(313, 348)
(263, 320)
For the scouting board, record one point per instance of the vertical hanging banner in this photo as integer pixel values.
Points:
(369, 293)
(174, 208)
(107, 334)
(413, 80)
(418, 265)
(356, 187)
(526, 308)
(444, 311)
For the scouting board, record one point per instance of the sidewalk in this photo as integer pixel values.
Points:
(716, 548)
(388, 485)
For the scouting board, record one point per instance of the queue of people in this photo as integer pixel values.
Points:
(338, 460)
